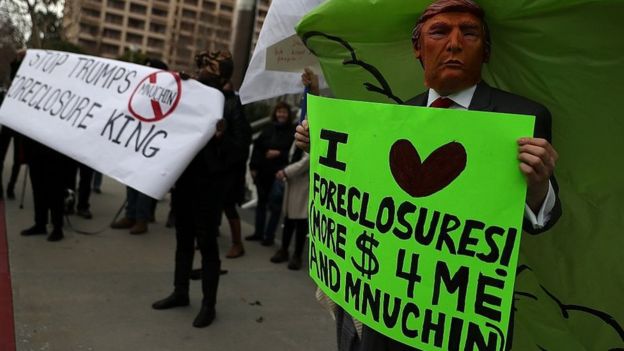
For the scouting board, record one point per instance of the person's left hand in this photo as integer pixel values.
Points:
(280, 175)
(537, 163)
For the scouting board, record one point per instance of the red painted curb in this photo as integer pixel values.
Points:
(7, 326)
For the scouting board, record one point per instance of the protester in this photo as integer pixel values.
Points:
(452, 42)
(8, 134)
(47, 170)
(295, 207)
(297, 180)
(269, 155)
(140, 207)
(199, 193)
(236, 196)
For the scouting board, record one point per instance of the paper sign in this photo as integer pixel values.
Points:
(290, 55)
(415, 219)
(133, 123)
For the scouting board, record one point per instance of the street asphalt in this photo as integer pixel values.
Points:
(94, 292)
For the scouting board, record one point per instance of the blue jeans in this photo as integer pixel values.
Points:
(139, 205)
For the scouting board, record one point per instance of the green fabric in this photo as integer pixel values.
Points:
(568, 55)
(469, 252)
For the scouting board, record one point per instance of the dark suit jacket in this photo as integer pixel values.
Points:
(490, 99)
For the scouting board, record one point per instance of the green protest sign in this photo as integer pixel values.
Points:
(566, 55)
(415, 218)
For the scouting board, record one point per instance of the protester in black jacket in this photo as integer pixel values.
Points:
(270, 154)
(199, 193)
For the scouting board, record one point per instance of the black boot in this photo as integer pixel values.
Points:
(34, 230)
(205, 316)
(176, 299)
(56, 235)
(211, 270)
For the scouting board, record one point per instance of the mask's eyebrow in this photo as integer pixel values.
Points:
(469, 26)
(438, 26)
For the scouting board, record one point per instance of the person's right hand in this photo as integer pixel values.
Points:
(302, 136)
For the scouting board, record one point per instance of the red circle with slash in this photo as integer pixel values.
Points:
(159, 108)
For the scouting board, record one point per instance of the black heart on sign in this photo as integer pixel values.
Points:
(421, 179)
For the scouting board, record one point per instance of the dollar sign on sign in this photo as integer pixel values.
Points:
(369, 265)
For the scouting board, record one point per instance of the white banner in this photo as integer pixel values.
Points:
(279, 25)
(136, 124)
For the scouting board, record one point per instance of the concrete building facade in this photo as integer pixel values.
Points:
(171, 30)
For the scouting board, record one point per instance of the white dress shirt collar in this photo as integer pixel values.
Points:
(462, 98)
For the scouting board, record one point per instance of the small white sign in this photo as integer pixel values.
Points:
(133, 123)
(290, 55)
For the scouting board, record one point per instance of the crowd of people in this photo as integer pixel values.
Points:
(211, 187)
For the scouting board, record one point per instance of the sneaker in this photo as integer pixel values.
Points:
(97, 190)
(84, 213)
(267, 242)
(34, 230)
(280, 256)
(124, 223)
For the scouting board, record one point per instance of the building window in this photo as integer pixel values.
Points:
(87, 44)
(138, 9)
(188, 13)
(159, 12)
(136, 23)
(210, 5)
(190, 27)
(111, 33)
(225, 22)
(155, 43)
(87, 28)
(91, 12)
(157, 28)
(114, 19)
(223, 34)
(191, 2)
(110, 49)
(134, 38)
(116, 4)
(226, 8)
(184, 40)
(208, 18)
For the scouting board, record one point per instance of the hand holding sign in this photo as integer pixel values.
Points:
(538, 159)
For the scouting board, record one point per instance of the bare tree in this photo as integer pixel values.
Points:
(36, 16)
(11, 39)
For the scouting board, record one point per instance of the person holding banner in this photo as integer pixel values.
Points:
(199, 193)
(452, 42)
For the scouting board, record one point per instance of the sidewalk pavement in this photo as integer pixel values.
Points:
(94, 292)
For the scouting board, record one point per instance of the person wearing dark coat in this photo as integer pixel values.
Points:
(199, 193)
(6, 136)
(452, 42)
(269, 155)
